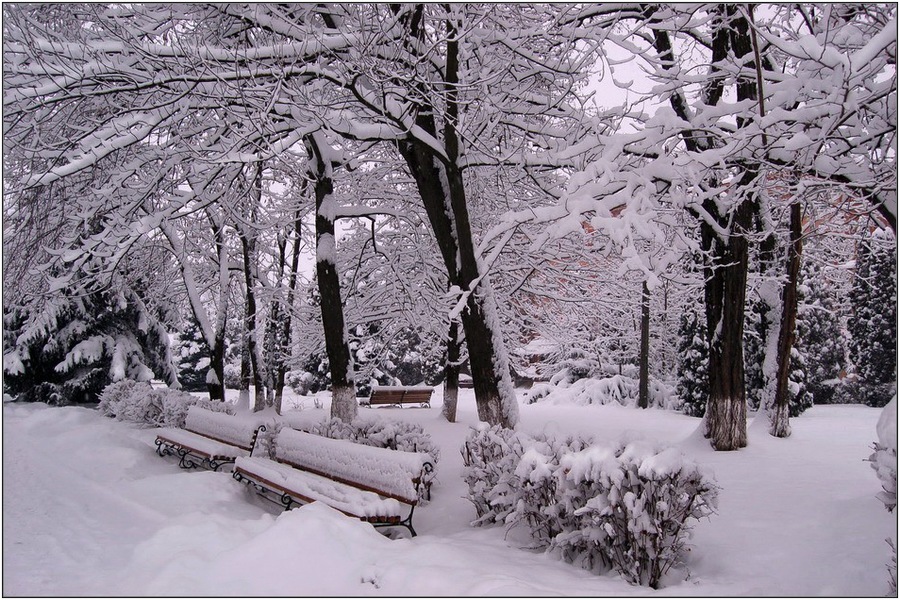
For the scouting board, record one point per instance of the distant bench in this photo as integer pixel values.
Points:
(209, 439)
(398, 395)
(361, 481)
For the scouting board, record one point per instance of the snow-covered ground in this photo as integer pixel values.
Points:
(90, 510)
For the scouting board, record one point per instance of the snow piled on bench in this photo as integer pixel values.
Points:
(200, 444)
(237, 430)
(309, 485)
(390, 471)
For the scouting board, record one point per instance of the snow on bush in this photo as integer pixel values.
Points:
(625, 507)
(490, 456)
(884, 461)
(615, 388)
(382, 433)
(137, 402)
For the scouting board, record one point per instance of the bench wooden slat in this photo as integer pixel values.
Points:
(363, 475)
(400, 395)
(201, 442)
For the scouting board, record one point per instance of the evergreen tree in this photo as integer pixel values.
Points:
(66, 347)
(693, 353)
(873, 323)
(754, 354)
(191, 354)
(800, 398)
(819, 334)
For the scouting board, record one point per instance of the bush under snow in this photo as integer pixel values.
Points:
(621, 389)
(138, 402)
(884, 461)
(623, 507)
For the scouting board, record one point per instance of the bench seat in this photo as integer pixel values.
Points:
(308, 487)
(368, 483)
(200, 444)
(209, 439)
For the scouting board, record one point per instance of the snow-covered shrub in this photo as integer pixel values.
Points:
(884, 461)
(232, 374)
(490, 456)
(625, 507)
(537, 392)
(577, 365)
(640, 500)
(138, 402)
(621, 389)
(125, 399)
(380, 433)
(299, 381)
(173, 406)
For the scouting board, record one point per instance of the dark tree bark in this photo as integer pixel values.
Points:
(451, 373)
(725, 422)
(248, 251)
(287, 317)
(343, 389)
(779, 419)
(644, 380)
(441, 187)
(248, 246)
(725, 293)
(216, 388)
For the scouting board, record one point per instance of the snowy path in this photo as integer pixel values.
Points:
(89, 509)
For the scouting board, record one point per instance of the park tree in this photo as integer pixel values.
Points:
(819, 332)
(873, 322)
(747, 93)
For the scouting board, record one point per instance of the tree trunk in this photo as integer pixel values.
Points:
(259, 402)
(779, 415)
(644, 381)
(726, 280)
(343, 390)
(215, 377)
(725, 293)
(441, 187)
(243, 403)
(451, 373)
(285, 337)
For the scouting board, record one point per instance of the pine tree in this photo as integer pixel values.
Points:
(191, 354)
(693, 353)
(65, 348)
(754, 354)
(873, 323)
(819, 334)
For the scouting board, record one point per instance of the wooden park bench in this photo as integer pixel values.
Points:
(466, 382)
(398, 395)
(209, 439)
(364, 482)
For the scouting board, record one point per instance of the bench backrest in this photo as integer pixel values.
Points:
(390, 473)
(398, 394)
(229, 429)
